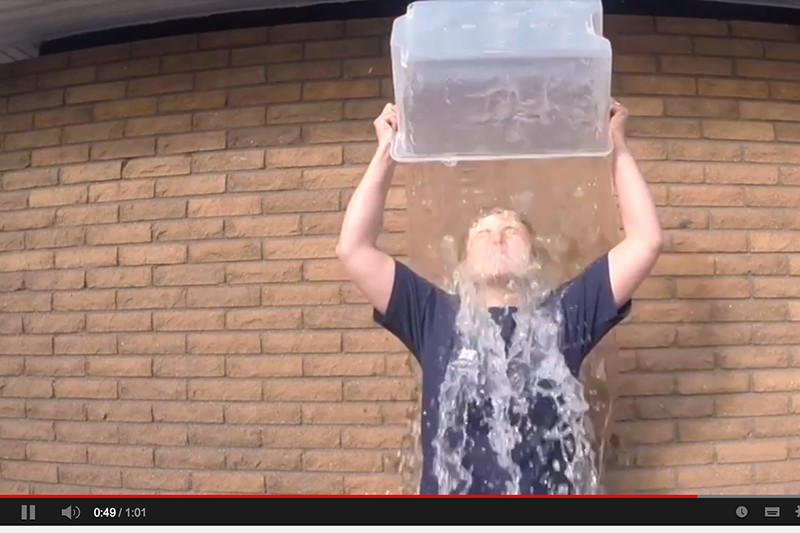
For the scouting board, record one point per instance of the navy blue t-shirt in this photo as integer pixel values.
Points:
(423, 317)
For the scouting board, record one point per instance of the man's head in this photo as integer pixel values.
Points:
(499, 246)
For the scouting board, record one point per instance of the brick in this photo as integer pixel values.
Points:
(701, 108)
(118, 277)
(190, 458)
(267, 54)
(27, 430)
(333, 90)
(728, 47)
(307, 70)
(342, 461)
(192, 412)
(56, 453)
(307, 31)
(96, 432)
(262, 413)
(221, 297)
(227, 482)
(189, 275)
(152, 389)
(55, 409)
(55, 366)
(121, 456)
(85, 344)
(194, 61)
(54, 238)
(264, 459)
(25, 220)
(263, 272)
(232, 38)
(152, 343)
(653, 44)
(120, 366)
(301, 342)
(190, 366)
(269, 136)
(761, 30)
(36, 100)
(91, 172)
(784, 90)
(123, 149)
(778, 70)
(152, 254)
(57, 196)
(63, 116)
(28, 471)
(714, 476)
(230, 206)
(374, 437)
(231, 77)
(776, 426)
(191, 142)
(696, 65)
(191, 185)
(662, 128)
(219, 389)
(59, 156)
(79, 216)
(229, 118)
(157, 166)
(97, 92)
(301, 437)
(192, 101)
(237, 437)
(764, 153)
(26, 179)
(32, 139)
(224, 343)
(714, 430)
(752, 357)
(188, 320)
(152, 210)
(120, 190)
(264, 366)
(119, 234)
(158, 125)
(127, 69)
(266, 226)
(156, 85)
(135, 107)
(305, 156)
(156, 434)
(299, 248)
(324, 223)
(323, 270)
(98, 131)
(634, 84)
(751, 405)
(224, 251)
(85, 257)
(229, 160)
(84, 388)
(11, 161)
(305, 483)
(187, 230)
(17, 122)
(83, 300)
(305, 112)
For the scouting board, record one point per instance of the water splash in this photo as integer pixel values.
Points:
(518, 391)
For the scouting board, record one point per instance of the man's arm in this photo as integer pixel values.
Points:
(630, 262)
(370, 269)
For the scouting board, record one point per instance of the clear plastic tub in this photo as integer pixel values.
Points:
(483, 79)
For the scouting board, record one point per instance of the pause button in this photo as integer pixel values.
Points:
(28, 512)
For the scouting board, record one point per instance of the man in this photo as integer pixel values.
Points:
(467, 418)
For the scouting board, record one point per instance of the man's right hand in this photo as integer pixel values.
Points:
(386, 125)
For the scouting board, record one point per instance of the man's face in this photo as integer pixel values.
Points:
(498, 247)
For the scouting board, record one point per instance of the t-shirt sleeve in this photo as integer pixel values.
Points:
(410, 308)
(589, 312)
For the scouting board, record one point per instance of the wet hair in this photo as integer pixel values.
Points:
(485, 213)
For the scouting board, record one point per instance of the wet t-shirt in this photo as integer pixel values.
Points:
(423, 317)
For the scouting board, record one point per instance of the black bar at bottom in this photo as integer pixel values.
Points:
(282, 511)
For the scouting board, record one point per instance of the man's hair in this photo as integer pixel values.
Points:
(484, 213)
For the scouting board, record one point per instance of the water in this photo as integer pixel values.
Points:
(573, 212)
(505, 379)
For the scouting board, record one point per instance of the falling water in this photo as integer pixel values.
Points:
(513, 384)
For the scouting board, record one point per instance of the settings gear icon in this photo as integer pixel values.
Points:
(797, 511)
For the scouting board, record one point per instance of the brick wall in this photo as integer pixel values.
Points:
(173, 318)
